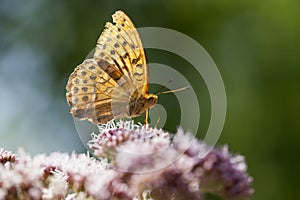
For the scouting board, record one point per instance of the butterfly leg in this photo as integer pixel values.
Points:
(146, 116)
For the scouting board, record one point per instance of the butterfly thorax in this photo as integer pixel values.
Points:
(139, 104)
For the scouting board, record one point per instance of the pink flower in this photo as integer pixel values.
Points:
(133, 162)
(7, 156)
(165, 168)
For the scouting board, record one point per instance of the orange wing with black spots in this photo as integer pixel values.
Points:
(113, 83)
(121, 45)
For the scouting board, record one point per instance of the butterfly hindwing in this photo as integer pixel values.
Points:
(88, 88)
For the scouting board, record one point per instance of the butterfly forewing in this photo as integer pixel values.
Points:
(123, 41)
(138, 59)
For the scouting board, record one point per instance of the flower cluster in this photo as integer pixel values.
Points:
(132, 162)
(7, 156)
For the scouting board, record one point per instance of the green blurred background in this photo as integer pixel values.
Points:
(255, 44)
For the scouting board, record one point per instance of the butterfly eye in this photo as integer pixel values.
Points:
(152, 99)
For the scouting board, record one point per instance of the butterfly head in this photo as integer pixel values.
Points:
(151, 100)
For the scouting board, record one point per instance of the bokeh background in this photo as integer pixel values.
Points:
(255, 44)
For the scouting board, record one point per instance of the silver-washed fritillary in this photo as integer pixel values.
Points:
(114, 83)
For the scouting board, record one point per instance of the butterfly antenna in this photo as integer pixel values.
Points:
(163, 86)
(172, 91)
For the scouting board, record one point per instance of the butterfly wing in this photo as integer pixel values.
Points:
(121, 44)
(89, 91)
(100, 88)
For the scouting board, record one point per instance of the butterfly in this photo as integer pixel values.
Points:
(114, 82)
